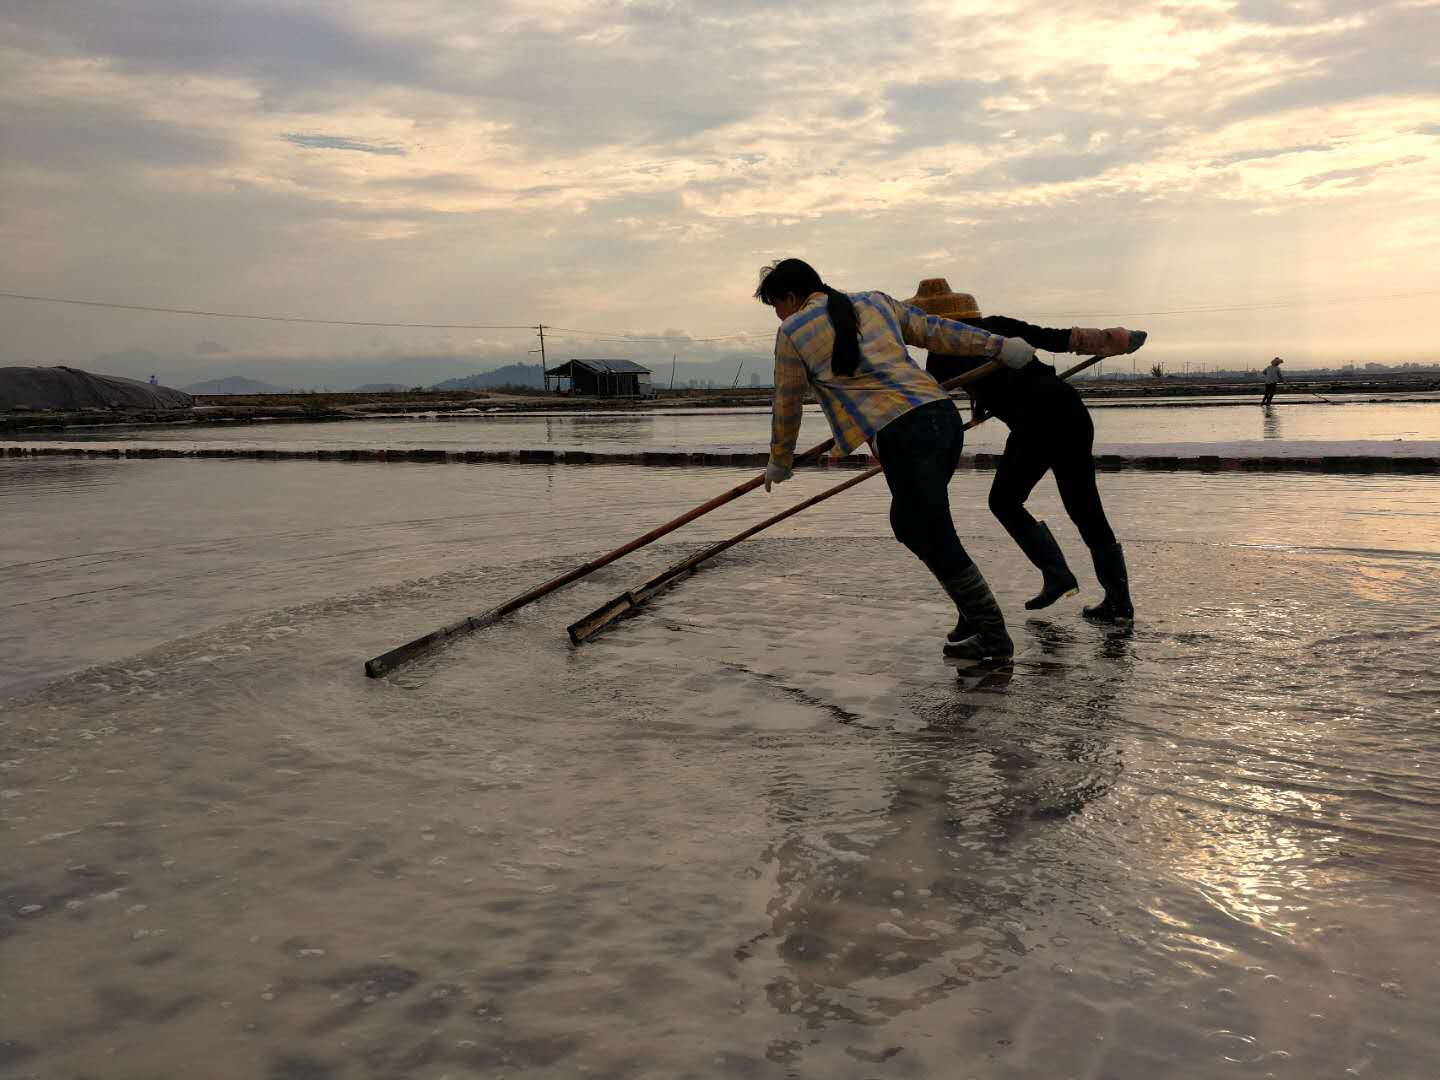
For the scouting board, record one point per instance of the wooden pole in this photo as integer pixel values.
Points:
(629, 601)
(389, 661)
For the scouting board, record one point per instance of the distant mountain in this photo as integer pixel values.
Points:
(509, 375)
(380, 388)
(236, 384)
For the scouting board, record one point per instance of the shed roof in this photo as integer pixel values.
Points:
(601, 367)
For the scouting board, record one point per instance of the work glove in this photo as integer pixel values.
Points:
(1015, 353)
(776, 474)
(1113, 341)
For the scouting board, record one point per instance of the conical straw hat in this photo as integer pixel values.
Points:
(935, 298)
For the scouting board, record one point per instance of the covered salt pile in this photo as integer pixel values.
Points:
(67, 389)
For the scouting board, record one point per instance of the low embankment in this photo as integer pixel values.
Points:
(1329, 463)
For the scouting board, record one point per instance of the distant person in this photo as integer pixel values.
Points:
(1050, 431)
(154, 380)
(1273, 378)
(850, 349)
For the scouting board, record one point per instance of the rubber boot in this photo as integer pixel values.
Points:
(1041, 549)
(1110, 570)
(963, 629)
(978, 607)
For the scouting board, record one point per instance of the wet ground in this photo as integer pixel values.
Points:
(1386, 425)
(761, 830)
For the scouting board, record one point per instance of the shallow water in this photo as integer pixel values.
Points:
(104, 558)
(748, 430)
(760, 830)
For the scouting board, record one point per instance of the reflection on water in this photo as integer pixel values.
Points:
(762, 829)
(933, 892)
(748, 430)
(1270, 424)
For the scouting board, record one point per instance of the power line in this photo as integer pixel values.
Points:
(610, 335)
(260, 318)
(1266, 306)
(607, 335)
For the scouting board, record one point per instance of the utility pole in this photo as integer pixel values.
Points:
(739, 369)
(672, 370)
(544, 366)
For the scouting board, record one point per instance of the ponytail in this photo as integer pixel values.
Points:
(845, 357)
(795, 276)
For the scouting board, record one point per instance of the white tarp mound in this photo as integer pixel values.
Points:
(67, 389)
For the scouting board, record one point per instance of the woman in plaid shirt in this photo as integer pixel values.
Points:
(850, 350)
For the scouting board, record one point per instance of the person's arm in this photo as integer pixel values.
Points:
(791, 381)
(959, 339)
(1048, 338)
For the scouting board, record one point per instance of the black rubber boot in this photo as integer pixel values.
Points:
(1110, 570)
(978, 607)
(963, 629)
(1041, 549)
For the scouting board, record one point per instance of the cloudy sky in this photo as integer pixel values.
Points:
(627, 167)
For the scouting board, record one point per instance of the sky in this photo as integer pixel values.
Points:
(625, 169)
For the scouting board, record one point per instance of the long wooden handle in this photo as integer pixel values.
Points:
(603, 616)
(389, 661)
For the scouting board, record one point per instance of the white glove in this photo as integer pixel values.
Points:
(1016, 352)
(776, 474)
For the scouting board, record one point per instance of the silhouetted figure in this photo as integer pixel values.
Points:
(1273, 378)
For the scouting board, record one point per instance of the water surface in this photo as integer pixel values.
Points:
(748, 430)
(761, 830)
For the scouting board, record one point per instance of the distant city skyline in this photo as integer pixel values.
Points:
(626, 169)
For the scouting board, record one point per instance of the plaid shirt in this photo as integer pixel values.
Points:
(886, 385)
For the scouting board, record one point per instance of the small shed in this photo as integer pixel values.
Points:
(602, 378)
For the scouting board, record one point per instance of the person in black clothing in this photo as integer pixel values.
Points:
(1050, 429)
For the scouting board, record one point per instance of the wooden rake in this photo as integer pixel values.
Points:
(387, 662)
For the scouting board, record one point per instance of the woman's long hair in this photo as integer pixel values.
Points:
(787, 276)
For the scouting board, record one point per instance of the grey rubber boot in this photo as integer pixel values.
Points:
(978, 607)
(1110, 569)
(1041, 549)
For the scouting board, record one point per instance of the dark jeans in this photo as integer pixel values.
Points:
(1270, 389)
(918, 453)
(1061, 442)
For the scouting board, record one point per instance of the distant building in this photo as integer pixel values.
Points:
(601, 378)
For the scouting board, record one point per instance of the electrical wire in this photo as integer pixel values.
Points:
(611, 335)
(261, 318)
(1266, 306)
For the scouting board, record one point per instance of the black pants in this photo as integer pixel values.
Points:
(1058, 435)
(1270, 388)
(918, 453)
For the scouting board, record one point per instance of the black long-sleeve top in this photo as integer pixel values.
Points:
(1010, 395)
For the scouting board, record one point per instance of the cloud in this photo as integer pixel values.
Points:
(50, 136)
(589, 161)
(284, 46)
(1274, 152)
(339, 142)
